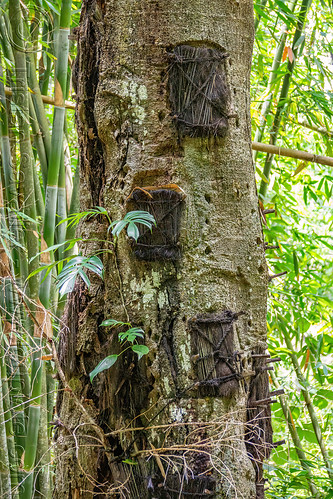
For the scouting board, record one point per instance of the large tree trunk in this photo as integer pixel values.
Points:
(163, 105)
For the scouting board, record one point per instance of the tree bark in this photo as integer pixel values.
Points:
(187, 412)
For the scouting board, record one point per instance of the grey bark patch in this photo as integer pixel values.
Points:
(198, 90)
(217, 365)
(162, 242)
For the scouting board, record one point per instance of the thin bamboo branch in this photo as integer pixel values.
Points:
(46, 99)
(309, 126)
(292, 153)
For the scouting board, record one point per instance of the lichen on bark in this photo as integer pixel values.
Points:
(185, 441)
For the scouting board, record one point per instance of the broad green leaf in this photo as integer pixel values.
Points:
(133, 231)
(103, 365)
(141, 350)
(113, 323)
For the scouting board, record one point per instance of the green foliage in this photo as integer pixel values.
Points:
(78, 267)
(131, 336)
(301, 303)
(131, 219)
(104, 364)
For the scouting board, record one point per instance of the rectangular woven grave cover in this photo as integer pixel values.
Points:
(198, 91)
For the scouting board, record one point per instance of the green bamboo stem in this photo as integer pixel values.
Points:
(40, 206)
(24, 373)
(272, 83)
(33, 419)
(43, 456)
(46, 64)
(13, 396)
(12, 311)
(26, 157)
(20, 266)
(38, 102)
(74, 208)
(5, 478)
(7, 413)
(312, 413)
(61, 208)
(296, 440)
(57, 134)
(39, 107)
(284, 95)
(70, 229)
(5, 40)
(50, 390)
(16, 398)
(26, 167)
(34, 31)
(258, 17)
(38, 140)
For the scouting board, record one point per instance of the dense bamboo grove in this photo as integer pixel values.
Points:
(292, 107)
(37, 189)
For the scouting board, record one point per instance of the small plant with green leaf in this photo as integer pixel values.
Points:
(131, 335)
(77, 266)
(131, 219)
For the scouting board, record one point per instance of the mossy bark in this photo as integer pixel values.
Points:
(128, 138)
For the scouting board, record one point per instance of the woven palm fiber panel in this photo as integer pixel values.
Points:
(162, 242)
(198, 90)
(216, 364)
(259, 430)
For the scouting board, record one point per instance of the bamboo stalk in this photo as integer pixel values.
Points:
(5, 478)
(18, 256)
(45, 71)
(26, 168)
(312, 413)
(7, 414)
(272, 83)
(296, 440)
(57, 135)
(284, 95)
(16, 399)
(43, 456)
